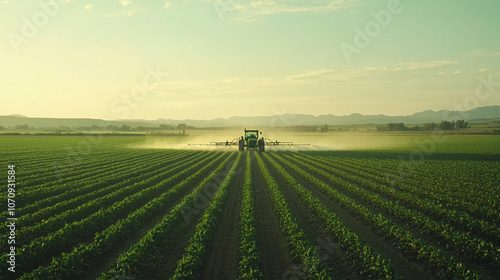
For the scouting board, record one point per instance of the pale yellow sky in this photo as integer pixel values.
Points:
(197, 60)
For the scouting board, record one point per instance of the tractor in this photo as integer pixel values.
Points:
(251, 139)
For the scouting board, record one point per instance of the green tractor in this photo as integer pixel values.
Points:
(252, 140)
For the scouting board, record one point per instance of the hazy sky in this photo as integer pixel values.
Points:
(207, 59)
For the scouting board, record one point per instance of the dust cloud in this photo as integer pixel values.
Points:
(317, 141)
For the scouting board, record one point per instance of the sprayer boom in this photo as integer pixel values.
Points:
(250, 140)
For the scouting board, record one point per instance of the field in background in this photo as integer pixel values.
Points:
(442, 142)
(351, 206)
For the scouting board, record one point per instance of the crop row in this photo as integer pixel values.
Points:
(372, 265)
(435, 258)
(301, 249)
(248, 266)
(189, 266)
(92, 174)
(49, 185)
(472, 180)
(84, 255)
(433, 187)
(34, 172)
(462, 242)
(144, 257)
(453, 237)
(73, 233)
(52, 224)
(53, 171)
(101, 192)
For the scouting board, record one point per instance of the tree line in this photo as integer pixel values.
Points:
(443, 125)
(123, 127)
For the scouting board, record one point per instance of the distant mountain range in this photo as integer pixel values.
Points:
(476, 114)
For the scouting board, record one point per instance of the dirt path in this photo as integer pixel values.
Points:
(223, 256)
(276, 258)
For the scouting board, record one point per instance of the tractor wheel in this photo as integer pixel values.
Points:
(261, 144)
(241, 145)
(262, 148)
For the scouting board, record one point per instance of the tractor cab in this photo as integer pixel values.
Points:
(251, 137)
(251, 140)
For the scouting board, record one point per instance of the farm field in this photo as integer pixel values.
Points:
(414, 207)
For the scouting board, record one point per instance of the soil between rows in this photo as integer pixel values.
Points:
(180, 239)
(223, 255)
(408, 269)
(481, 268)
(135, 237)
(329, 252)
(275, 256)
(108, 189)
